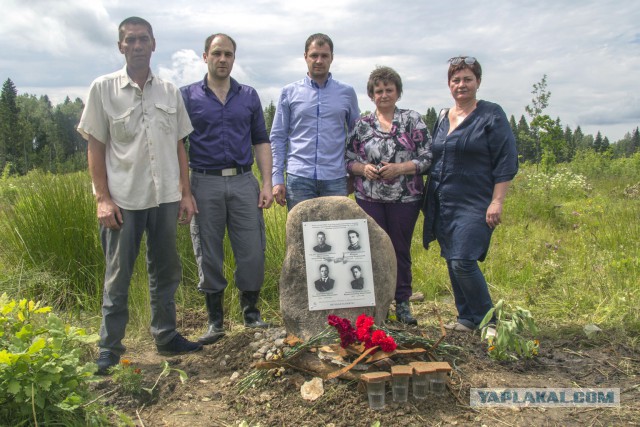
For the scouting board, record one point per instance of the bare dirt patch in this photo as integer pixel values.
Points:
(211, 398)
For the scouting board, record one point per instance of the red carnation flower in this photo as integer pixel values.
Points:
(346, 331)
(362, 334)
(364, 321)
(388, 345)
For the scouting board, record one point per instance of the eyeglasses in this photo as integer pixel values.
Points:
(456, 60)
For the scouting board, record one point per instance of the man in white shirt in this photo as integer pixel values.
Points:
(135, 124)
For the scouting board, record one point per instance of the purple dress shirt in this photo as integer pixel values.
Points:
(223, 134)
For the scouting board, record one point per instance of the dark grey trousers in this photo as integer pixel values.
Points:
(121, 249)
(228, 203)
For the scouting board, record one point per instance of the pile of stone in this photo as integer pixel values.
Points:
(269, 344)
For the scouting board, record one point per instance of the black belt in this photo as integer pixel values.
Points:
(224, 172)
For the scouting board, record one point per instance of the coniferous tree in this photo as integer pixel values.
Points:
(569, 143)
(598, 143)
(513, 124)
(430, 119)
(562, 151)
(514, 129)
(526, 143)
(9, 129)
(634, 147)
(579, 140)
(269, 115)
(523, 126)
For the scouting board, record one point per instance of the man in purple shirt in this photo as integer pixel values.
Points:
(309, 131)
(228, 122)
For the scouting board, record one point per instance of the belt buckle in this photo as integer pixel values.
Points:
(229, 172)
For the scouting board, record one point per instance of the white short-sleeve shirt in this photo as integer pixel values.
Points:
(140, 130)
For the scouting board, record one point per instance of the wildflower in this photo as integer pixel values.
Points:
(493, 347)
(125, 362)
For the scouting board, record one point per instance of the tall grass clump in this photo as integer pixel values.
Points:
(50, 226)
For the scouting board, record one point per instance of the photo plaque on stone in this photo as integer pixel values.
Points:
(338, 264)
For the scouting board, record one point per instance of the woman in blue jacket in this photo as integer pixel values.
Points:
(474, 160)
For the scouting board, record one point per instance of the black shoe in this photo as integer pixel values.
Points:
(178, 345)
(250, 313)
(106, 360)
(403, 313)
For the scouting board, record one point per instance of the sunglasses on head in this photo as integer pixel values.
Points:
(456, 60)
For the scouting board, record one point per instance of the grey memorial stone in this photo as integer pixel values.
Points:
(294, 302)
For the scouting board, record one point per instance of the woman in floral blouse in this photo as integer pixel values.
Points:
(387, 152)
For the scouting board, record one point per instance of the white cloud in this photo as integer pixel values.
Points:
(589, 50)
(58, 28)
(186, 67)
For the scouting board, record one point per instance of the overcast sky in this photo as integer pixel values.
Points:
(589, 50)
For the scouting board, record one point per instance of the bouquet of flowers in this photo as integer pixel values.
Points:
(364, 332)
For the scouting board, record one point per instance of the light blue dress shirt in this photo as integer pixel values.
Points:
(310, 128)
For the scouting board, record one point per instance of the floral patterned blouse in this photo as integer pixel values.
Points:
(408, 139)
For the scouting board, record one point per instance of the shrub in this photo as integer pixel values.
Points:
(510, 342)
(42, 378)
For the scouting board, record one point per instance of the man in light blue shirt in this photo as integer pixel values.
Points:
(310, 128)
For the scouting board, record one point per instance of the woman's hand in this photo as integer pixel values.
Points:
(494, 214)
(370, 172)
(393, 170)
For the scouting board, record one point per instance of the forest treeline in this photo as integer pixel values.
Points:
(35, 134)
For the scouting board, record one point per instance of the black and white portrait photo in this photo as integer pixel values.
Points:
(354, 240)
(322, 243)
(325, 283)
(358, 280)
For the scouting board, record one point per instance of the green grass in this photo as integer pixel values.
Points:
(568, 248)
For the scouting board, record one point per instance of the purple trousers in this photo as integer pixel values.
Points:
(398, 220)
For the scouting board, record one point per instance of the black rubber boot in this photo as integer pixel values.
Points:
(403, 313)
(215, 331)
(250, 313)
